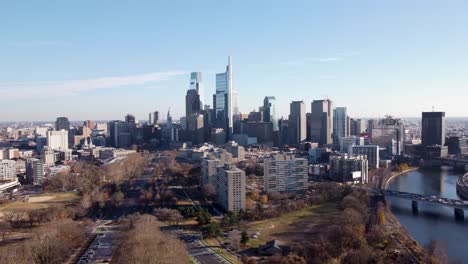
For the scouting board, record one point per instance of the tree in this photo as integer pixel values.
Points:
(203, 217)
(144, 243)
(209, 191)
(244, 238)
(212, 229)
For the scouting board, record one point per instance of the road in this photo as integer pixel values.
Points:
(102, 247)
(199, 252)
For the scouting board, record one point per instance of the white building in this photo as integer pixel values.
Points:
(343, 168)
(57, 139)
(285, 173)
(114, 153)
(371, 152)
(7, 170)
(48, 157)
(238, 152)
(231, 188)
(347, 142)
(210, 167)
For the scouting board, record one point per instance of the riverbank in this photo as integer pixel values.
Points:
(393, 176)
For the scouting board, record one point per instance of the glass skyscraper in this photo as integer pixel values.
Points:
(223, 100)
(340, 124)
(196, 83)
(269, 111)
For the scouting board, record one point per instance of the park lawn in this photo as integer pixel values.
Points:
(44, 201)
(295, 226)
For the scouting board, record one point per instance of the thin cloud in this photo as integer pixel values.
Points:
(303, 61)
(37, 43)
(74, 87)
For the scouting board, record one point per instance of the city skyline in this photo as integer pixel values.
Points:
(349, 53)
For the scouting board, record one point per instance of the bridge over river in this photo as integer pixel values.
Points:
(458, 205)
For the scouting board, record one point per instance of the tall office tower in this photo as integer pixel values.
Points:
(285, 174)
(34, 171)
(269, 111)
(129, 118)
(388, 134)
(223, 102)
(349, 168)
(169, 118)
(195, 128)
(231, 188)
(321, 123)
(433, 128)
(120, 133)
(192, 103)
(89, 124)
(297, 122)
(57, 139)
(340, 124)
(196, 83)
(153, 118)
(7, 170)
(370, 151)
(357, 127)
(62, 123)
(235, 102)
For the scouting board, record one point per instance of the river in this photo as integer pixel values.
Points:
(433, 222)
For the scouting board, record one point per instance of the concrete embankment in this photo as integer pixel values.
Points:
(391, 178)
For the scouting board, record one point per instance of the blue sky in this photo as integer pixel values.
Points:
(103, 59)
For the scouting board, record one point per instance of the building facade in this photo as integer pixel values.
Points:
(297, 122)
(370, 151)
(349, 168)
(321, 122)
(57, 139)
(433, 128)
(285, 174)
(231, 188)
(7, 170)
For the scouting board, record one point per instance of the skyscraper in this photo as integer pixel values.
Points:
(297, 122)
(153, 118)
(129, 118)
(192, 103)
(196, 83)
(433, 128)
(321, 123)
(223, 100)
(340, 124)
(357, 126)
(388, 134)
(62, 123)
(269, 111)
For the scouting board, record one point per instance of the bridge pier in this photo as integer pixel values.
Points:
(414, 206)
(459, 214)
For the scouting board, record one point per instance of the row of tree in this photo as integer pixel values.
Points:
(145, 243)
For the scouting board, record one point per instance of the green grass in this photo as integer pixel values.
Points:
(295, 226)
(44, 201)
